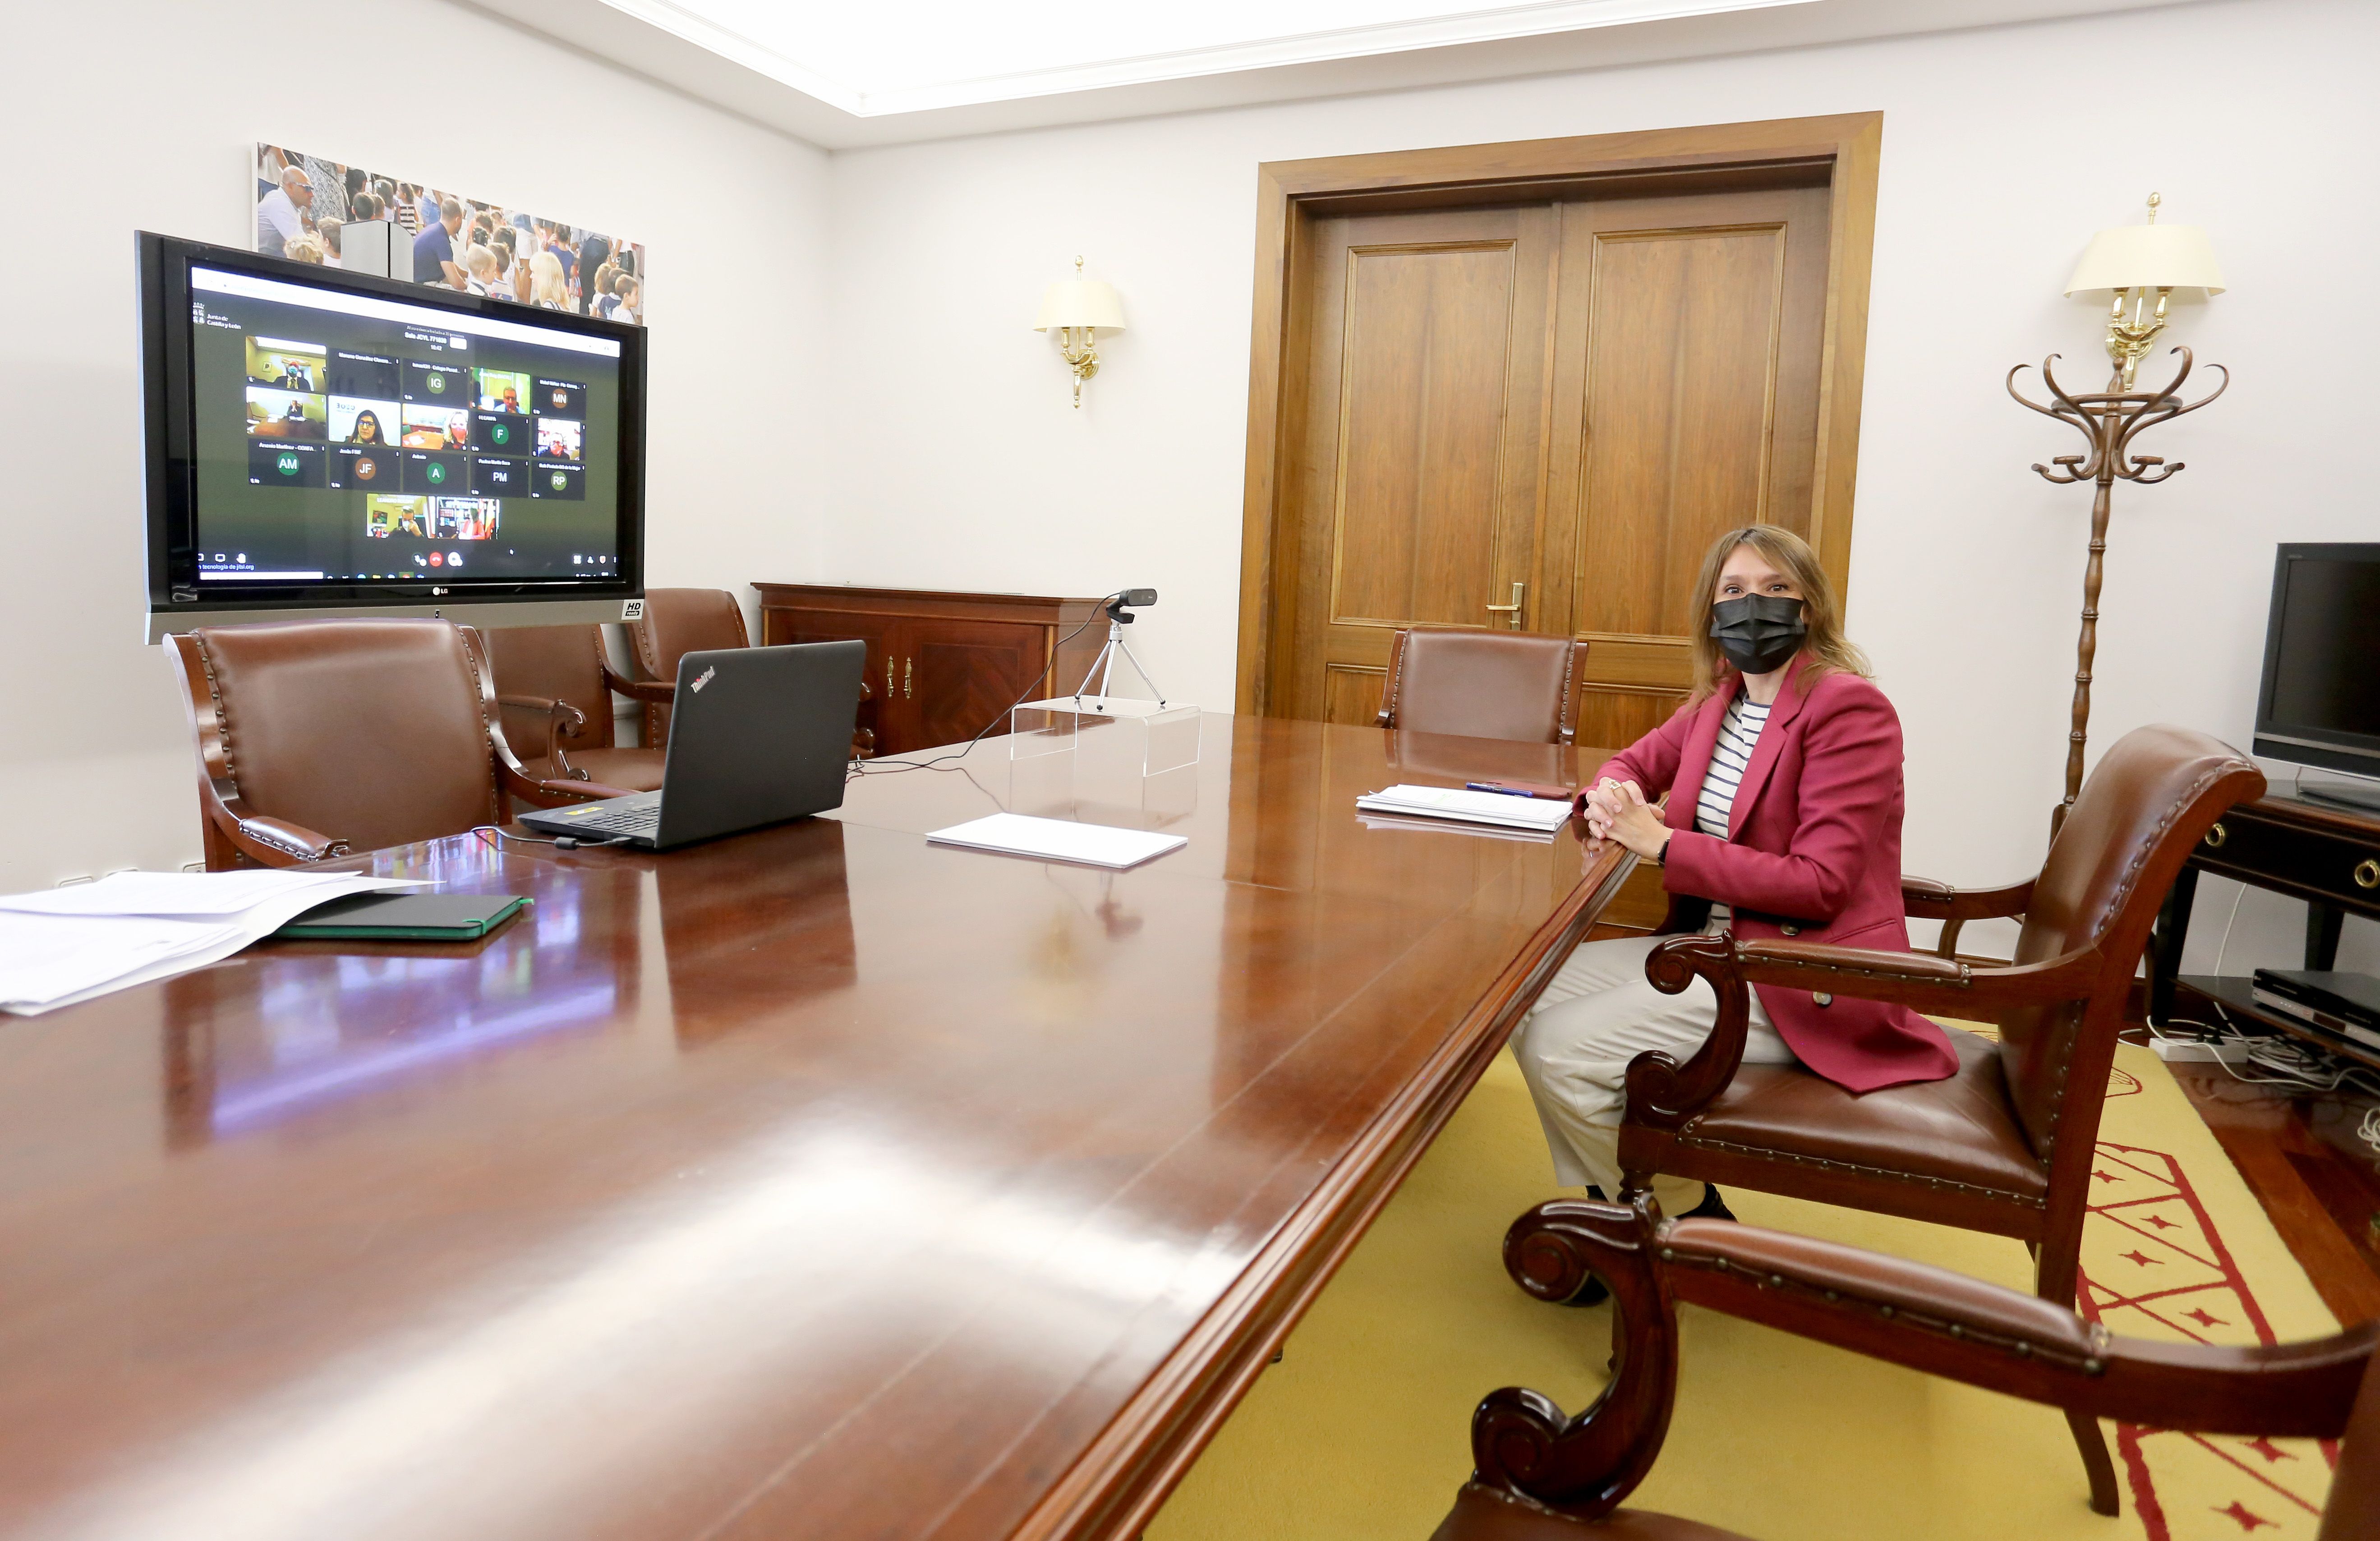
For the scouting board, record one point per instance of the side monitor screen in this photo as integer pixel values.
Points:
(344, 437)
(2325, 669)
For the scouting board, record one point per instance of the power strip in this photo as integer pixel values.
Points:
(2184, 1051)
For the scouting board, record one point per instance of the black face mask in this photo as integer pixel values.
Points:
(1759, 632)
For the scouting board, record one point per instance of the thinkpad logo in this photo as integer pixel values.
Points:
(704, 678)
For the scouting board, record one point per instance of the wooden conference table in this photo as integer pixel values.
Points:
(814, 1183)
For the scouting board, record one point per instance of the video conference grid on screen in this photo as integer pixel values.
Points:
(349, 437)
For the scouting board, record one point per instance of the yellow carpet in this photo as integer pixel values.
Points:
(1362, 1431)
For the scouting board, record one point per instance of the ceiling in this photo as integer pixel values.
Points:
(845, 74)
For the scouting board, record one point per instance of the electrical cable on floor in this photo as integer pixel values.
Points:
(2225, 946)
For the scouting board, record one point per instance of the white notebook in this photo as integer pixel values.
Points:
(1014, 834)
(1469, 807)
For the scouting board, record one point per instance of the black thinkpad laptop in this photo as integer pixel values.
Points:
(758, 735)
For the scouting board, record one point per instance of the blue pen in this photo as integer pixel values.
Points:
(1491, 786)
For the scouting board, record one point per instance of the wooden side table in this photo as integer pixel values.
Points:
(943, 665)
(2329, 856)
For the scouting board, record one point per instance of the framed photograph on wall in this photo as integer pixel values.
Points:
(305, 202)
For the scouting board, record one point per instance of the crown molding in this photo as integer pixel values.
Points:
(663, 41)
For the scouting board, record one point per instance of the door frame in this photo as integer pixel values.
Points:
(1291, 195)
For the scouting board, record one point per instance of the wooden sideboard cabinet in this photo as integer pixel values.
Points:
(943, 666)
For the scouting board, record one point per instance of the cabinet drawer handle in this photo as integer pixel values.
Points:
(2367, 874)
(2214, 837)
(905, 665)
(887, 676)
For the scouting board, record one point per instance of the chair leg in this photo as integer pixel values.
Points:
(2095, 1461)
(2056, 1265)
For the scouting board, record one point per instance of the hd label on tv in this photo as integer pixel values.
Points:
(285, 465)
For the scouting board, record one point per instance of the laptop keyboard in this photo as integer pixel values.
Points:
(641, 820)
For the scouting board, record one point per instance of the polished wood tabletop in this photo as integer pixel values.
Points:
(818, 1181)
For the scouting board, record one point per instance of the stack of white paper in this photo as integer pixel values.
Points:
(1541, 817)
(64, 945)
(1015, 834)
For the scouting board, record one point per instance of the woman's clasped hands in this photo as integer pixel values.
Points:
(1617, 810)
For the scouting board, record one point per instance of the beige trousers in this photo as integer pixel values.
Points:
(1574, 1048)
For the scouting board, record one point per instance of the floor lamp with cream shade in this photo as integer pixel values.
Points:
(2131, 262)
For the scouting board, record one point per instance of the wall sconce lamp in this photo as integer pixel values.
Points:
(2131, 259)
(1076, 308)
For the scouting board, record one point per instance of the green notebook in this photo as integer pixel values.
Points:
(405, 918)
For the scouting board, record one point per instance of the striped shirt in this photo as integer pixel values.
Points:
(1738, 732)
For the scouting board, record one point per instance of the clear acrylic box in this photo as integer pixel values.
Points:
(1165, 734)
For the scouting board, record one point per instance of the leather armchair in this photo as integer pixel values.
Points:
(1482, 683)
(678, 621)
(1541, 1475)
(320, 738)
(2005, 1144)
(555, 688)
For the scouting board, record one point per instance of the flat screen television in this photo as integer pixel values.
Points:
(325, 443)
(2319, 700)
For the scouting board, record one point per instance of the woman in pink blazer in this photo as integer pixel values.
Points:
(1784, 770)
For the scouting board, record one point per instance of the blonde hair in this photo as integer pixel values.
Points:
(303, 249)
(1826, 650)
(547, 284)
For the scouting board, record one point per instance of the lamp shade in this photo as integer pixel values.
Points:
(2150, 257)
(1080, 302)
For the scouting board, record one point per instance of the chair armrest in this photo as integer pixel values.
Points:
(1920, 981)
(274, 842)
(1927, 900)
(1964, 1329)
(1524, 1450)
(1663, 1093)
(530, 789)
(1527, 1455)
(658, 692)
(562, 720)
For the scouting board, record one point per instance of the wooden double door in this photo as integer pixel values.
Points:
(1538, 416)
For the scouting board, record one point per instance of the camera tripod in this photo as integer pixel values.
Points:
(1104, 665)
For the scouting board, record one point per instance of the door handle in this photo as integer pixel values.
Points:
(906, 664)
(1513, 610)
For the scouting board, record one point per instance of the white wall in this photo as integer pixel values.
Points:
(142, 115)
(960, 462)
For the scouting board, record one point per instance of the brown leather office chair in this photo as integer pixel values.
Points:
(678, 621)
(554, 685)
(2006, 1144)
(319, 738)
(1483, 683)
(1541, 1476)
